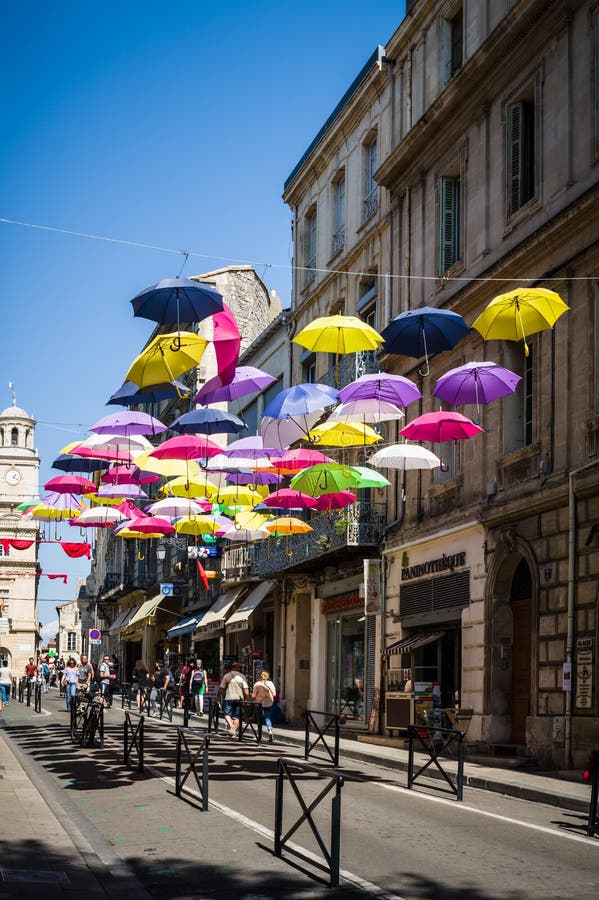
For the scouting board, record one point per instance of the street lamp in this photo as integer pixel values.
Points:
(160, 553)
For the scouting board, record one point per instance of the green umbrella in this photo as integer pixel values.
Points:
(370, 479)
(326, 478)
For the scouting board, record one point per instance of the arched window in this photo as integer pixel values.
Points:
(14, 437)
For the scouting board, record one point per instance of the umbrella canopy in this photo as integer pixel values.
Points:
(246, 380)
(186, 446)
(251, 448)
(127, 423)
(67, 463)
(370, 479)
(199, 486)
(338, 334)
(418, 332)
(381, 386)
(151, 525)
(288, 525)
(100, 517)
(441, 426)
(287, 498)
(245, 534)
(129, 394)
(368, 411)
(222, 463)
(197, 525)
(128, 474)
(254, 478)
(112, 447)
(168, 468)
(208, 421)
(343, 434)
(70, 484)
(325, 478)
(127, 530)
(516, 314)
(176, 300)
(403, 457)
(301, 401)
(166, 357)
(476, 382)
(124, 491)
(177, 507)
(251, 519)
(293, 461)
(226, 339)
(238, 495)
(334, 501)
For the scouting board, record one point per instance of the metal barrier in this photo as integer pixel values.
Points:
(37, 698)
(28, 692)
(593, 824)
(192, 760)
(331, 857)
(125, 694)
(213, 714)
(87, 721)
(133, 738)
(250, 717)
(331, 719)
(438, 739)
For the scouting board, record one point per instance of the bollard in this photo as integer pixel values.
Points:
(21, 690)
(28, 693)
(38, 698)
(13, 689)
(593, 824)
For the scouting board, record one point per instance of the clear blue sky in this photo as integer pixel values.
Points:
(168, 124)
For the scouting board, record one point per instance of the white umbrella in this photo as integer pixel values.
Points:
(245, 534)
(111, 446)
(100, 516)
(176, 507)
(369, 412)
(404, 456)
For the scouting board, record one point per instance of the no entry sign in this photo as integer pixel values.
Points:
(95, 636)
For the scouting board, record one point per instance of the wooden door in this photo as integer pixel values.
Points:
(522, 612)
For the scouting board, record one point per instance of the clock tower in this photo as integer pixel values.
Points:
(19, 476)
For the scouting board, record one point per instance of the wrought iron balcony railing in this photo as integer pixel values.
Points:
(349, 368)
(338, 240)
(370, 204)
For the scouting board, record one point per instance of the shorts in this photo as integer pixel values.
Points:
(232, 708)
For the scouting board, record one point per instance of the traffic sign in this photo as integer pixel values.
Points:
(168, 589)
(95, 636)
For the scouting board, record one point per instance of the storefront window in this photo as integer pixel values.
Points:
(345, 665)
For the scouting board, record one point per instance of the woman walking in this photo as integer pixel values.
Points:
(264, 693)
(5, 684)
(70, 677)
(198, 685)
(141, 677)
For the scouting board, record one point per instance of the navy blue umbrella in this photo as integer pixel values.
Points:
(208, 421)
(176, 300)
(421, 331)
(130, 394)
(78, 464)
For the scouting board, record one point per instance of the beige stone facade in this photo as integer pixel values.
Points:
(69, 642)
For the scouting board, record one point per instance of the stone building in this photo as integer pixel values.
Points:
(69, 637)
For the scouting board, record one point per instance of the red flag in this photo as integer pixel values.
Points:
(202, 574)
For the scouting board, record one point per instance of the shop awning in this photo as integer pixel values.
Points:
(216, 615)
(238, 621)
(123, 619)
(148, 608)
(413, 642)
(185, 626)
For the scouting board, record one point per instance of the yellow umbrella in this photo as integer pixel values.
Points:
(50, 514)
(343, 434)
(251, 521)
(169, 468)
(240, 495)
(338, 334)
(103, 501)
(167, 357)
(140, 535)
(195, 487)
(288, 525)
(516, 314)
(197, 525)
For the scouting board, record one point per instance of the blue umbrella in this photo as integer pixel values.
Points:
(68, 463)
(418, 332)
(208, 421)
(176, 300)
(130, 394)
(301, 400)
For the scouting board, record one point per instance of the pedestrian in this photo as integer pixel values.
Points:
(184, 683)
(264, 693)
(163, 679)
(85, 673)
(40, 677)
(30, 670)
(106, 678)
(60, 667)
(235, 689)
(198, 685)
(5, 684)
(141, 678)
(69, 681)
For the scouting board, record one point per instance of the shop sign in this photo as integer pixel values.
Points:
(584, 673)
(344, 601)
(372, 586)
(446, 563)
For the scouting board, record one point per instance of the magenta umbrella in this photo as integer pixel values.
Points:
(128, 474)
(383, 387)
(287, 498)
(128, 423)
(186, 446)
(130, 510)
(247, 380)
(148, 525)
(70, 484)
(335, 501)
(476, 382)
(441, 426)
(226, 338)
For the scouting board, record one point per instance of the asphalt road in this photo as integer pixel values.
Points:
(394, 842)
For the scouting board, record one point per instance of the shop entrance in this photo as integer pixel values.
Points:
(345, 665)
(132, 654)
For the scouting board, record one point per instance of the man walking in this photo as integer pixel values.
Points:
(235, 689)
(85, 674)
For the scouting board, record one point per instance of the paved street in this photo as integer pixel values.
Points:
(393, 842)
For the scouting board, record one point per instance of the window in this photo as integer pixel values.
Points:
(4, 549)
(449, 221)
(338, 216)
(448, 456)
(310, 247)
(520, 153)
(370, 201)
(453, 44)
(250, 417)
(518, 407)
(272, 390)
(308, 361)
(14, 437)
(72, 640)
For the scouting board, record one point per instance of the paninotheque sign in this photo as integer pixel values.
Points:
(446, 563)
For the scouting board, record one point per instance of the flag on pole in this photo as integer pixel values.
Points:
(202, 574)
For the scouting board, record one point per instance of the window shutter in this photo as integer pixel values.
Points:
(515, 156)
(448, 224)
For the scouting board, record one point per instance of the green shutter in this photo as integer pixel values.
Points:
(520, 119)
(449, 189)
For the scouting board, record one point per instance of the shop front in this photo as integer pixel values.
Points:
(209, 637)
(343, 630)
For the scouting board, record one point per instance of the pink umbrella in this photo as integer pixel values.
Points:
(186, 446)
(130, 510)
(148, 525)
(441, 426)
(293, 461)
(70, 484)
(287, 498)
(227, 341)
(335, 501)
(128, 475)
(247, 380)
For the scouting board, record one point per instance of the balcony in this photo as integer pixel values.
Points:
(349, 368)
(310, 271)
(370, 204)
(334, 535)
(338, 241)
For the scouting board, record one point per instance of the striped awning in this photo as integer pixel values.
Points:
(413, 642)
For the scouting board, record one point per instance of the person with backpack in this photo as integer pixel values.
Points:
(198, 686)
(264, 693)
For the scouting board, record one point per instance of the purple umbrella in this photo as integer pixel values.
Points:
(125, 491)
(254, 478)
(476, 382)
(128, 423)
(247, 380)
(383, 387)
(251, 448)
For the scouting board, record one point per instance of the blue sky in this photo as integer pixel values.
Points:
(173, 125)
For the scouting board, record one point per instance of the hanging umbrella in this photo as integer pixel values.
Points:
(343, 434)
(239, 495)
(129, 394)
(197, 525)
(222, 463)
(252, 519)
(245, 534)
(338, 334)
(293, 461)
(516, 314)
(418, 332)
(129, 509)
(381, 386)
(287, 498)
(166, 357)
(252, 478)
(403, 457)
(208, 421)
(251, 448)
(177, 507)
(151, 525)
(199, 486)
(67, 463)
(287, 525)
(186, 446)
(176, 300)
(127, 423)
(370, 479)
(55, 506)
(325, 478)
(369, 412)
(124, 491)
(168, 468)
(340, 500)
(246, 380)
(128, 474)
(70, 484)
(99, 517)
(476, 382)
(293, 412)
(441, 426)
(226, 340)
(112, 447)
(127, 531)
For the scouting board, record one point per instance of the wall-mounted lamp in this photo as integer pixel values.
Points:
(160, 553)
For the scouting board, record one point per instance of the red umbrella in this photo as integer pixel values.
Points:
(70, 484)
(441, 426)
(335, 501)
(186, 446)
(287, 498)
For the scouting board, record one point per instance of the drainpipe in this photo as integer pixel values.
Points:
(571, 601)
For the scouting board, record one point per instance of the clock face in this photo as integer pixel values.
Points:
(13, 477)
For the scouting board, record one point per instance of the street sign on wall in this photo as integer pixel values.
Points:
(95, 636)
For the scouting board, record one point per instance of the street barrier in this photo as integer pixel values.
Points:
(13, 688)
(433, 740)
(250, 718)
(125, 694)
(37, 698)
(213, 715)
(330, 728)
(330, 863)
(593, 825)
(133, 738)
(192, 760)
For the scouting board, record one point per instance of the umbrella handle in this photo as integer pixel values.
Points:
(175, 344)
(427, 370)
(443, 467)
